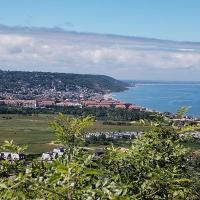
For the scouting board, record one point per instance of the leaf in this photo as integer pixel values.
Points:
(55, 178)
(92, 172)
(3, 185)
(62, 169)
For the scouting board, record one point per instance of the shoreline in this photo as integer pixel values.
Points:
(192, 115)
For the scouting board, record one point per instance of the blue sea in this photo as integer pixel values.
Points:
(163, 96)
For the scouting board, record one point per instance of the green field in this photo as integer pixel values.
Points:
(31, 130)
(36, 133)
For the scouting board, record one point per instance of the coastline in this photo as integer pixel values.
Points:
(163, 97)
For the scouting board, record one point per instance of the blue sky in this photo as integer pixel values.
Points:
(166, 19)
(31, 37)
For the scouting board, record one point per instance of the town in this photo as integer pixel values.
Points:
(87, 99)
(98, 102)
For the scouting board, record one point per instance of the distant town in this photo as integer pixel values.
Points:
(82, 98)
(44, 90)
(75, 99)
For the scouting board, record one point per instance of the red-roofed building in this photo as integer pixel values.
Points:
(123, 106)
(44, 103)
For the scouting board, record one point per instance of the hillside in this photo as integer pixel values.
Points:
(14, 81)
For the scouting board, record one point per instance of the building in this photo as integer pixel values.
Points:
(57, 152)
(20, 103)
(11, 156)
(72, 103)
(45, 103)
(123, 106)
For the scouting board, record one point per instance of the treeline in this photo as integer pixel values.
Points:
(117, 123)
(114, 114)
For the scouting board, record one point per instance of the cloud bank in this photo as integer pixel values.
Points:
(56, 50)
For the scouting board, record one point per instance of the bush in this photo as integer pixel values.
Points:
(156, 166)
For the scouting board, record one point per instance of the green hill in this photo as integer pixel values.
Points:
(13, 81)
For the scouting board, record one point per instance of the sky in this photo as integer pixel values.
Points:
(126, 39)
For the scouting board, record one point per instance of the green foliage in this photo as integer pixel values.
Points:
(189, 128)
(11, 147)
(13, 81)
(71, 131)
(113, 114)
(9, 168)
(182, 111)
(156, 166)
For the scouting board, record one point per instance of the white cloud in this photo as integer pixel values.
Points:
(57, 50)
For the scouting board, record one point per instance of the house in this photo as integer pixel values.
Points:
(29, 103)
(57, 152)
(89, 103)
(17, 156)
(60, 104)
(5, 155)
(21, 103)
(72, 103)
(103, 105)
(45, 103)
(47, 156)
(12, 156)
(123, 106)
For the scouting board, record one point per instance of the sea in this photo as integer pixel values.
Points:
(163, 96)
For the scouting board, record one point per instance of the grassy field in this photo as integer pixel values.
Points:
(36, 133)
(31, 130)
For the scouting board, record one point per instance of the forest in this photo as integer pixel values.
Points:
(14, 81)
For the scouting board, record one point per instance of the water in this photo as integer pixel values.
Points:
(164, 97)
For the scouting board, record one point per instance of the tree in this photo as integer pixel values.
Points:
(182, 111)
(10, 146)
(70, 131)
(157, 166)
(8, 168)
